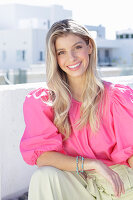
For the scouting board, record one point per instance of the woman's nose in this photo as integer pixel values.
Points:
(71, 55)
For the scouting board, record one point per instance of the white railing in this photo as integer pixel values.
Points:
(15, 173)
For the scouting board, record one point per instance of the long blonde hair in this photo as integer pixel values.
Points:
(57, 81)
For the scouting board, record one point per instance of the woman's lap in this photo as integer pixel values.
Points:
(53, 184)
(95, 180)
(49, 183)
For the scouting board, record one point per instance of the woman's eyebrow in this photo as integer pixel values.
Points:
(80, 42)
(59, 49)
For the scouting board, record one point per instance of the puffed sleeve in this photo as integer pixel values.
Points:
(40, 134)
(122, 111)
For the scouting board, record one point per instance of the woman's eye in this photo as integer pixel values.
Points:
(60, 53)
(78, 47)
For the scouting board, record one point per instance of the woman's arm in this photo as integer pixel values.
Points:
(68, 163)
(130, 161)
(63, 162)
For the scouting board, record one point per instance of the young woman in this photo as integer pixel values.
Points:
(79, 130)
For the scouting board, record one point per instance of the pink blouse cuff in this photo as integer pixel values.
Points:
(37, 153)
(123, 155)
(36, 156)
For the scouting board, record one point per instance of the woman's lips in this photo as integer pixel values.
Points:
(74, 67)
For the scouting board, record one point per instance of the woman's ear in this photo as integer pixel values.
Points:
(90, 48)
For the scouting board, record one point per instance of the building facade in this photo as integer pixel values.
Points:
(118, 51)
(23, 32)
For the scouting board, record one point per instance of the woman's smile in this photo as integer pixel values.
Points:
(72, 55)
(74, 67)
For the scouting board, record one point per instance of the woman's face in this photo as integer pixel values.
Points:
(72, 54)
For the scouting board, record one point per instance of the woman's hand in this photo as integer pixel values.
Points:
(111, 176)
(130, 161)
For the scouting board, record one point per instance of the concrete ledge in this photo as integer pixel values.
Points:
(15, 173)
(126, 80)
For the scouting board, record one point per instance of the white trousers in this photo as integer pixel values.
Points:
(49, 183)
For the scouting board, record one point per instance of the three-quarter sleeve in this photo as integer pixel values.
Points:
(122, 112)
(40, 134)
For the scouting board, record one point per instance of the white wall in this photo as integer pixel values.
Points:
(17, 12)
(7, 16)
(122, 49)
(38, 44)
(126, 51)
(11, 41)
(15, 172)
(30, 40)
(57, 13)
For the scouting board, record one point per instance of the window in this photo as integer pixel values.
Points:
(127, 36)
(41, 56)
(21, 55)
(3, 56)
(106, 53)
(121, 36)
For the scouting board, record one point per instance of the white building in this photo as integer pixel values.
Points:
(23, 31)
(116, 52)
(21, 47)
(100, 30)
(14, 16)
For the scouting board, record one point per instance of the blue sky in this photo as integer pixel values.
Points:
(114, 15)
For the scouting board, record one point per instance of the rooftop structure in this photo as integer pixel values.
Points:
(100, 30)
(125, 34)
(27, 16)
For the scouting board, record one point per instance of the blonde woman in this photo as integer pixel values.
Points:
(79, 130)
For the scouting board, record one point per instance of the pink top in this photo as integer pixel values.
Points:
(112, 144)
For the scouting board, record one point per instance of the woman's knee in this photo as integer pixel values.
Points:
(45, 172)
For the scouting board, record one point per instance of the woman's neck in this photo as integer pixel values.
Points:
(76, 88)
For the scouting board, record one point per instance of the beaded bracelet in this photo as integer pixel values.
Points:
(77, 161)
(82, 158)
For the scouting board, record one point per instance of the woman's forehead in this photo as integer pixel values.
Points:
(68, 39)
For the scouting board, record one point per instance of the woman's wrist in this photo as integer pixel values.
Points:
(79, 164)
(89, 164)
(130, 161)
